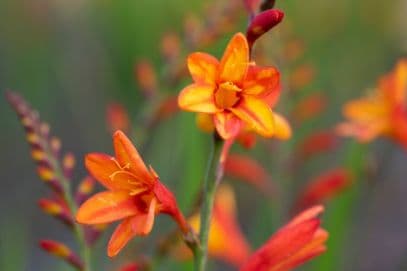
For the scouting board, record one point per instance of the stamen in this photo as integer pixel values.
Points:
(115, 161)
(133, 179)
(134, 192)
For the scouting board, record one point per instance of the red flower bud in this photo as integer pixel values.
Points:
(61, 251)
(262, 23)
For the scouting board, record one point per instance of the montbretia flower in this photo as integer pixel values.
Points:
(249, 170)
(316, 143)
(324, 187)
(297, 242)
(309, 107)
(233, 90)
(135, 194)
(383, 113)
(226, 240)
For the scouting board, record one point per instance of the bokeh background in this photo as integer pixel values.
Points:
(69, 59)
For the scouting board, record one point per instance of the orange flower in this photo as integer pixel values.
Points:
(226, 240)
(233, 90)
(297, 242)
(135, 194)
(383, 113)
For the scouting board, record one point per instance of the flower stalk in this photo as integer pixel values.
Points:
(45, 151)
(214, 174)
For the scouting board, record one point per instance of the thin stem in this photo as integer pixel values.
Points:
(78, 229)
(213, 176)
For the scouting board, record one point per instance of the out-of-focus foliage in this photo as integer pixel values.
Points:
(71, 59)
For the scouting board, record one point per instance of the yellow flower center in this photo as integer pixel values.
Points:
(227, 95)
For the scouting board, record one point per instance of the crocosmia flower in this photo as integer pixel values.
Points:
(226, 240)
(383, 113)
(297, 242)
(233, 90)
(134, 194)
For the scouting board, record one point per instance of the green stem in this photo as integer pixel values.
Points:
(213, 176)
(78, 229)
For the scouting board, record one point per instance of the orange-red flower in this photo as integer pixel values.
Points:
(249, 170)
(297, 242)
(310, 107)
(117, 117)
(135, 194)
(316, 143)
(383, 113)
(324, 187)
(226, 240)
(232, 90)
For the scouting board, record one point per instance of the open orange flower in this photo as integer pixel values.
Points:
(135, 194)
(233, 90)
(297, 242)
(384, 112)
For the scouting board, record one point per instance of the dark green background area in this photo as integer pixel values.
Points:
(69, 59)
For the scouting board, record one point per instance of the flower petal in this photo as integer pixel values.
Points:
(365, 110)
(106, 170)
(305, 215)
(282, 127)
(105, 207)
(235, 60)
(261, 80)
(128, 156)
(273, 96)
(363, 131)
(309, 251)
(227, 125)
(130, 227)
(204, 122)
(121, 236)
(143, 224)
(101, 167)
(203, 68)
(249, 170)
(257, 114)
(400, 88)
(198, 98)
(282, 247)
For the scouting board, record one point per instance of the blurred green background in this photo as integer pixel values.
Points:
(69, 59)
